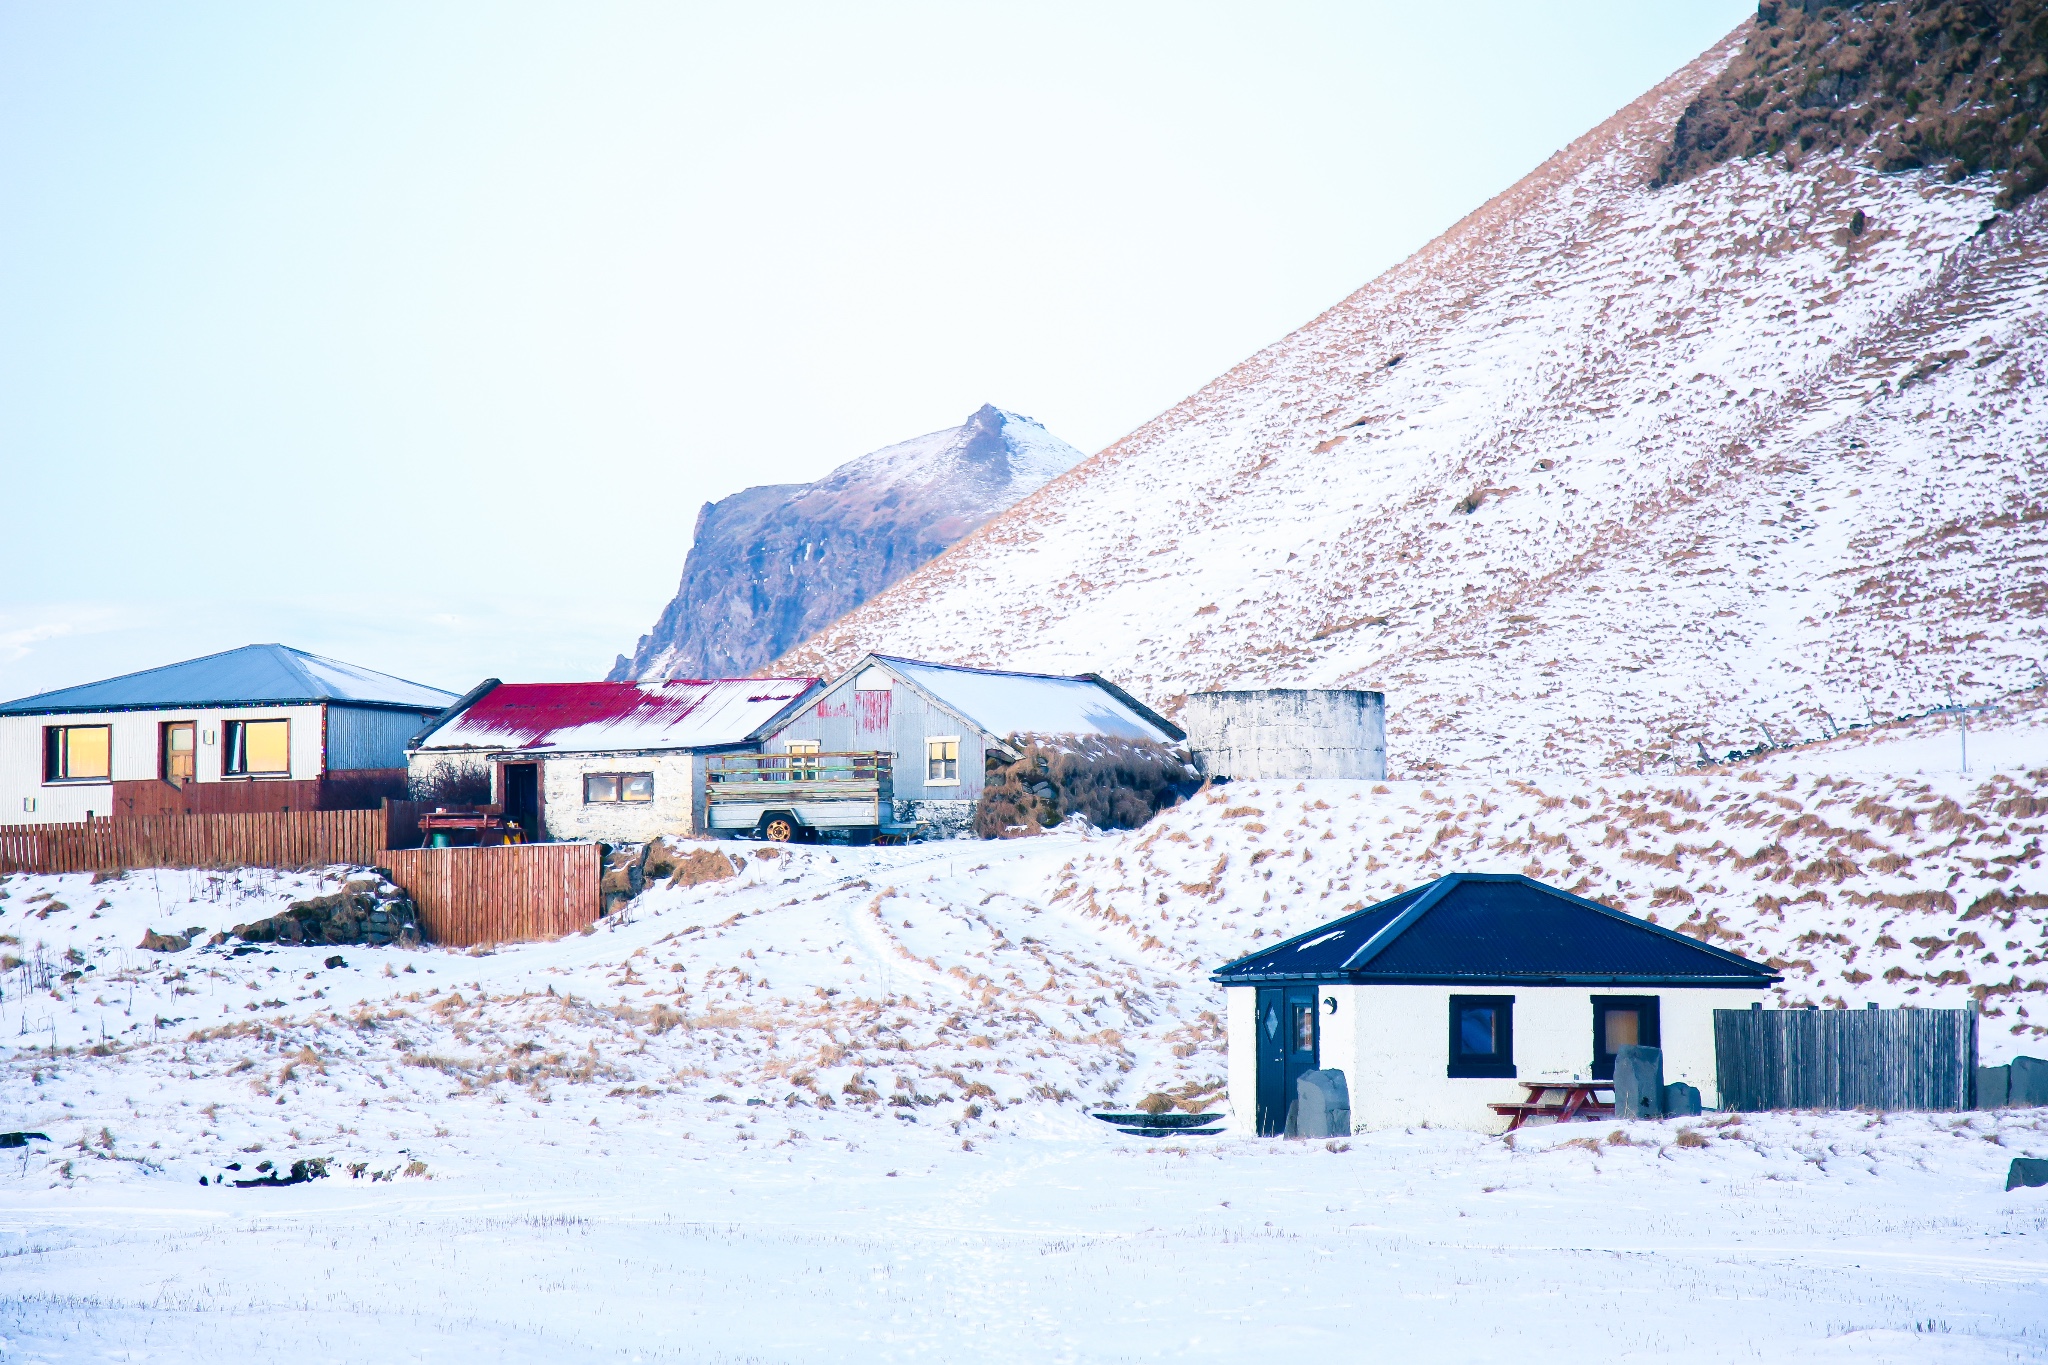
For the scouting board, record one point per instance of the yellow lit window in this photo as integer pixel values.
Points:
(258, 748)
(78, 753)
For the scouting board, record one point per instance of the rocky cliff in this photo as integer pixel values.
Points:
(769, 567)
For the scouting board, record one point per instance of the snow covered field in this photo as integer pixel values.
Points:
(834, 1106)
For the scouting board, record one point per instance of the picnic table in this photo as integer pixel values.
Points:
(441, 828)
(1560, 1100)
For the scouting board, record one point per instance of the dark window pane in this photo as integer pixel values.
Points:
(1304, 1028)
(637, 787)
(601, 787)
(1476, 1031)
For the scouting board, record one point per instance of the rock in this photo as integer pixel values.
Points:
(1681, 1101)
(702, 865)
(1994, 1085)
(2029, 1082)
(616, 883)
(367, 911)
(1638, 1083)
(1322, 1105)
(771, 566)
(337, 961)
(22, 1139)
(154, 942)
(2026, 1170)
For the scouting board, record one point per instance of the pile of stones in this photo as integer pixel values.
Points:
(369, 911)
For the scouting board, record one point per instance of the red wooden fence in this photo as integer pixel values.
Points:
(500, 895)
(276, 839)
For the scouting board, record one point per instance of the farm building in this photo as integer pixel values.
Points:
(1288, 733)
(616, 761)
(1449, 998)
(940, 725)
(260, 728)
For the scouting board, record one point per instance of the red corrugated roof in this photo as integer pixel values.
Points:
(682, 713)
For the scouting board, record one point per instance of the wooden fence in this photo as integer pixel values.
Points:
(500, 895)
(284, 840)
(1846, 1059)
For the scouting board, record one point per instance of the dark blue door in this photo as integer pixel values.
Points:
(1289, 1044)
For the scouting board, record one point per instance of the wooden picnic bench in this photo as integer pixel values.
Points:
(1560, 1100)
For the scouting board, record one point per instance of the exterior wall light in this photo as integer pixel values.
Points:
(1329, 1004)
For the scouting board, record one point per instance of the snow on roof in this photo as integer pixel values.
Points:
(600, 717)
(1007, 704)
(253, 675)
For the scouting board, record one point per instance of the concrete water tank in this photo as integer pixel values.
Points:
(1288, 732)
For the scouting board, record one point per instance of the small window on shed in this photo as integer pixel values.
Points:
(942, 761)
(1482, 1035)
(605, 789)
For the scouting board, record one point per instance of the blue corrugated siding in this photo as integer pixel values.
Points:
(359, 737)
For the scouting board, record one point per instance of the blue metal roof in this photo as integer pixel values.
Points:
(1494, 929)
(254, 675)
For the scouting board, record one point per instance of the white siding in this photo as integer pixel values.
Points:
(1392, 1043)
(134, 755)
(830, 720)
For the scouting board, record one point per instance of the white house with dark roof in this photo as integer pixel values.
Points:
(263, 727)
(1442, 1001)
(942, 722)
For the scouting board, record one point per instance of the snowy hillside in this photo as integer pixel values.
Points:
(770, 565)
(1604, 476)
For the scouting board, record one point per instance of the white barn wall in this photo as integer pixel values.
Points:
(567, 817)
(1288, 733)
(1392, 1044)
(134, 756)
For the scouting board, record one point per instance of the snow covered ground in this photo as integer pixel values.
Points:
(834, 1106)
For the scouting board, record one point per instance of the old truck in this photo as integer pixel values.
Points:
(802, 797)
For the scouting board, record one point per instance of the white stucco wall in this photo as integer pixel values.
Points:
(1392, 1044)
(1241, 1029)
(134, 755)
(568, 817)
(1288, 732)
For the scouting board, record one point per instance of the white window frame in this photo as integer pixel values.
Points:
(929, 780)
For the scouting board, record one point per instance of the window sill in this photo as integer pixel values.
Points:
(78, 782)
(942, 782)
(255, 777)
(1491, 1071)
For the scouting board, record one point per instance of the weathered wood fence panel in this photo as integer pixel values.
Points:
(506, 894)
(1846, 1059)
(283, 840)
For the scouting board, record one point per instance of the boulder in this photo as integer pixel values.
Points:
(1322, 1105)
(154, 942)
(2029, 1082)
(2026, 1170)
(1994, 1085)
(701, 865)
(1681, 1101)
(1639, 1083)
(367, 912)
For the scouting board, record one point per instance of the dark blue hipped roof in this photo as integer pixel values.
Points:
(1482, 928)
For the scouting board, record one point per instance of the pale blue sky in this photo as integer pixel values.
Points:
(416, 334)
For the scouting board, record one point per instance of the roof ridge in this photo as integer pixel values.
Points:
(289, 657)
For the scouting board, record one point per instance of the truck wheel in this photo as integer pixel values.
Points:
(779, 829)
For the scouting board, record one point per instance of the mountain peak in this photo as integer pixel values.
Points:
(770, 566)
